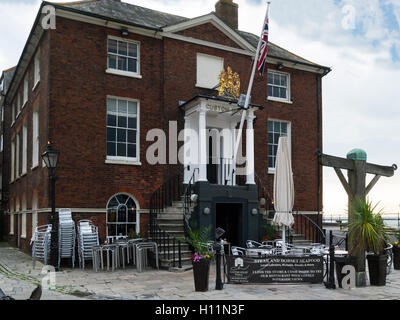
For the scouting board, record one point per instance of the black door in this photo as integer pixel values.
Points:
(212, 168)
(229, 218)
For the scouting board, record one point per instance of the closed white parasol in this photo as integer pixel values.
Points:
(283, 188)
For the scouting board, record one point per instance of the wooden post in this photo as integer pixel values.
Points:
(357, 169)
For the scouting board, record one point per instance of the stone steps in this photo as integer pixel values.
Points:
(171, 221)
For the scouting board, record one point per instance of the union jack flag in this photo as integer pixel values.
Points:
(262, 57)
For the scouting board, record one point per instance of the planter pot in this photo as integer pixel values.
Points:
(201, 271)
(340, 262)
(377, 265)
(396, 258)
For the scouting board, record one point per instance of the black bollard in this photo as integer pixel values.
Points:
(218, 281)
(330, 284)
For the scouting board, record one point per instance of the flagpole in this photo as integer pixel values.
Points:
(247, 101)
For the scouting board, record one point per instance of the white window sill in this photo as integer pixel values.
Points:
(23, 236)
(23, 174)
(271, 170)
(200, 86)
(124, 162)
(11, 233)
(35, 166)
(123, 73)
(23, 105)
(279, 100)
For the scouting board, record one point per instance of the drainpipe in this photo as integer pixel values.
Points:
(319, 144)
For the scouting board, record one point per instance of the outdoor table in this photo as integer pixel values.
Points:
(255, 252)
(337, 252)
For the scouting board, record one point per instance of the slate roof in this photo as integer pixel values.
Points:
(8, 75)
(127, 12)
(153, 19)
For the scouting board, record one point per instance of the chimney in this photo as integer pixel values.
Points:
(227, 11)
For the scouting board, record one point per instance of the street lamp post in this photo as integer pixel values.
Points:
(50, 158)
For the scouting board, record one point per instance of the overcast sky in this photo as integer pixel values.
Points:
(358, 39)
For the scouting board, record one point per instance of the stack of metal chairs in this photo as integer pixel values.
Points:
(66, 236)
(41, 244)
(88, 237)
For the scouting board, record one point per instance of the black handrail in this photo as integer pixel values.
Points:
(315, 232)
(187, 202)
(169, 191)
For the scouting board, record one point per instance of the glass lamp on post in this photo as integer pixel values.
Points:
(50, 158)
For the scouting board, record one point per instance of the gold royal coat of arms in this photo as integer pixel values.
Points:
(229, 84)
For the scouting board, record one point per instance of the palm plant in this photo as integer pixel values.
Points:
(367, 231)
(199, 240)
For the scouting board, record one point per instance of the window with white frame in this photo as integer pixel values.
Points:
(122, 215)
(208, 70)
(17, 156)
(14, 108)
(278, 85)
(123, 55)
(122, 129)
(11, 217)
(19, 103)
(36, 75)
(35, 139)
(24, 147)
(23, 220)
(12, 160)
(276, 128)
(25, 96)
(34, 213)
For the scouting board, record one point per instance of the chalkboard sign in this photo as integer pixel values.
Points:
(275, 269)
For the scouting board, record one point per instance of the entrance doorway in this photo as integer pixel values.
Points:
(229, 216)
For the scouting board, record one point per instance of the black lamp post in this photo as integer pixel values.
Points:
(50, 158)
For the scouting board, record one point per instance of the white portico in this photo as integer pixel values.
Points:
(210, 136)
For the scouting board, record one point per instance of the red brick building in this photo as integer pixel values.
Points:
(109, 73)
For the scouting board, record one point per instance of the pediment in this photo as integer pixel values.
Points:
(211, 29)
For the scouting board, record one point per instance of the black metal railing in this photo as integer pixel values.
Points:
(309, 228)
(187, 201)
(171, 190)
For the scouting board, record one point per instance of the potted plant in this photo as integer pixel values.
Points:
(396, 251)
(271, 232)
(200, 240)
(368, 233)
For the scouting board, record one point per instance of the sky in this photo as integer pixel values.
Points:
(358, 39)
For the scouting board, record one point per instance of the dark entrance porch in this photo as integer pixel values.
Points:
(229, 216)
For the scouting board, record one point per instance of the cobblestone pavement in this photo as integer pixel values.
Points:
(18, 278)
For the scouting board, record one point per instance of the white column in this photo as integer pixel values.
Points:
(202, 154)
(233, 157)
(250, 148)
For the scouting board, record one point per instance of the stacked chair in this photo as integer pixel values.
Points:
(41, 244)
(88, 237)
(66, 236)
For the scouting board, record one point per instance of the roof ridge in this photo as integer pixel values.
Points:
(75, 2)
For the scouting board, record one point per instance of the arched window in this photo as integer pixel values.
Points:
(122, 216)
